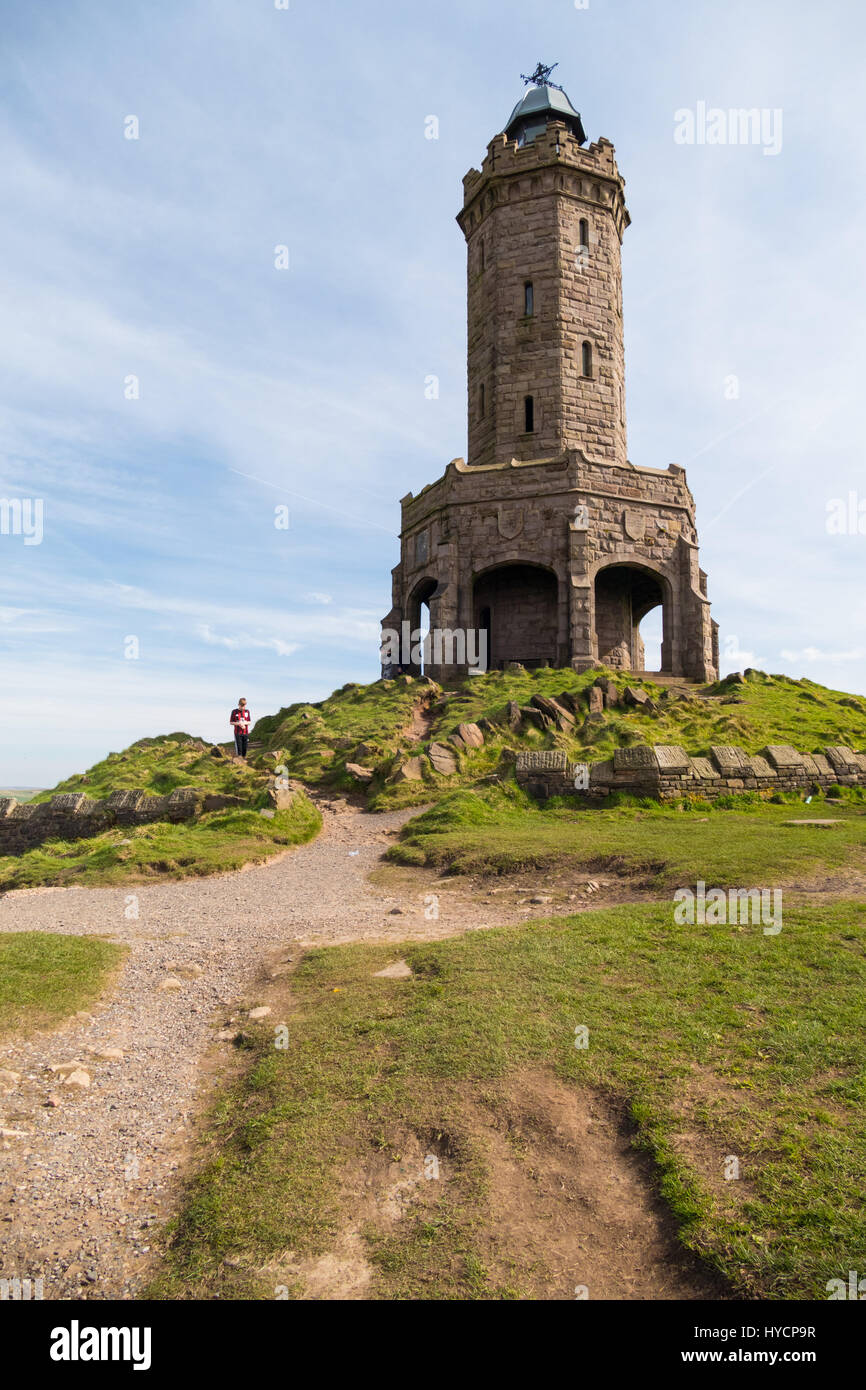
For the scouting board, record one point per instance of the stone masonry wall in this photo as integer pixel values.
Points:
(73, 816)
(667, 771)
(522, 217)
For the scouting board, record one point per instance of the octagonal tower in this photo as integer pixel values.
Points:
(547, 539)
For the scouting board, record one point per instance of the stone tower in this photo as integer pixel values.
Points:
(547, 539)
(543, 222)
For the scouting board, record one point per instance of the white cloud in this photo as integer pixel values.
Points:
(813, 654)
(244, 641)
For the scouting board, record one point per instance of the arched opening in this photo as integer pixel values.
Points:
(586, 359)
(518, 605)
(485, 630)
(584, 234)
(651, 634)
(624, 596)
(419, 617)
(528, 299)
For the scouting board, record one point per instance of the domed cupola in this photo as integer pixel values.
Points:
(544, 102)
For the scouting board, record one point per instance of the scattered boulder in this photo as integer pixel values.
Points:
(261, 1012)
(398, 971)
(170, 985)
(633, 696)
(471, 735)
(552, 710)
(513, 717)
(442, 759)
(281, 798)
(109, 1054)
(9, 1078)
(535, 716)
(80, 1079)
(596, 699)
(217, 752)
(409, 771)
(609, 691)
(360, 774)
(569, 701)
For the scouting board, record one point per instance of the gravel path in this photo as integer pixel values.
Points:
(86, 1173)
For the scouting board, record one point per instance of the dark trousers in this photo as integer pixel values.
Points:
(241, 741)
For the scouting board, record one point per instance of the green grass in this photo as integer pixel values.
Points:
(767, 709)
(157, 766)
(719, 1040)
(44, 977)
(215, 843)
(305, 736)
(504, 831)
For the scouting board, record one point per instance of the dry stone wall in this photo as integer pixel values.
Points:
(73, 816)
(666, 771)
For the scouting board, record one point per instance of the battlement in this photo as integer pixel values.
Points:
(557, 154)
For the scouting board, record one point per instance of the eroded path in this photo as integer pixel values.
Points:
(89, 1172)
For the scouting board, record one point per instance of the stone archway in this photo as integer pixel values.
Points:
(518, 605)
(420, 598)
(623, 595)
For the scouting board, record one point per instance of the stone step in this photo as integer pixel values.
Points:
(662, 678)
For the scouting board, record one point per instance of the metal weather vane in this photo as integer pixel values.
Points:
(541, 76)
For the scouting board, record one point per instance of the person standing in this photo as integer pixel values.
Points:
(241, 724)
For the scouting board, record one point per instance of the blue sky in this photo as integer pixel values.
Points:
(304, 387)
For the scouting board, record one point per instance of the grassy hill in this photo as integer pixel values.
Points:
(382, 725)
(212, 843)
(379, 726)
(159, 765)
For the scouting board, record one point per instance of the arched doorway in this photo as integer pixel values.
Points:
(624, 595)
(419, 613)
(518, 606)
